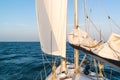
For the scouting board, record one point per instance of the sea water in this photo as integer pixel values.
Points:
(26, 61)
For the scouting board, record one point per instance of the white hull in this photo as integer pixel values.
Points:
(70, 75)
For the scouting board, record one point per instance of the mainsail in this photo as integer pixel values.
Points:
(108, 52)
(81, 38)
(52, 17)
(110, 49)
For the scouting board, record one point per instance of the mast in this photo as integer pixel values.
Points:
(76, 51)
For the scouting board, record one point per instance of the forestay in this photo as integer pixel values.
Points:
(52, 16)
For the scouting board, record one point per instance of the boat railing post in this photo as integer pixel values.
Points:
(83, 60)
(101, 67)
(63, 65)
(95, 64)
(54, 71)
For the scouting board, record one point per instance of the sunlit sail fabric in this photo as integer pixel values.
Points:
(81, 38)
(110, 49)
(52, 16)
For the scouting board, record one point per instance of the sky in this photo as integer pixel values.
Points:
(18, 20)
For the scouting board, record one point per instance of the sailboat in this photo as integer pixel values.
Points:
(52, 22)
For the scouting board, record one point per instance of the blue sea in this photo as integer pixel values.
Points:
(26, 61)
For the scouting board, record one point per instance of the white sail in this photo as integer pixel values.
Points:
(52, 16)
(81, 38)
(110, 49)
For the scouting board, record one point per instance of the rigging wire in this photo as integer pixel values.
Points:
(45, 67)
(93, 32)
(51, 45)
(96, 28)
(88, 19)
(91, 60)
(85, 14)
(110, 19)
(109, 24)
(40, 74)
(115, 54)
(87, 25)
(44, 64)
(90, 16)
(48, 60)
(100, 24)
(110, 74)
(114, 22)
(107, 13)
